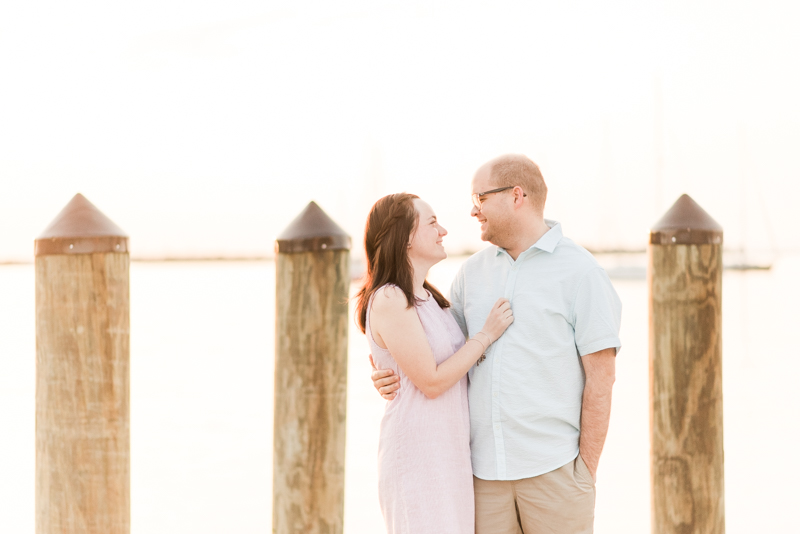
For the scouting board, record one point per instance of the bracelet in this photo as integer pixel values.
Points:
(488, 339)
(485, 347)
(479, 341)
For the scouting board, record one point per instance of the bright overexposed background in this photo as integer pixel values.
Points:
(203, 127)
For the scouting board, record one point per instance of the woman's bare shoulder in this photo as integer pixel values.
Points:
(389, 299)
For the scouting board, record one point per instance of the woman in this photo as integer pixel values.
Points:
(424, 468)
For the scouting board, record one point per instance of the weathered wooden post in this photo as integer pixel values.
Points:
(312, 279)
(686, 456)
(82, 378)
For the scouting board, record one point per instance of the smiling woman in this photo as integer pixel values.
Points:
(424, 466)
(387, 241)
(428, 236)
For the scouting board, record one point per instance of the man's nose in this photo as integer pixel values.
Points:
(474, 211)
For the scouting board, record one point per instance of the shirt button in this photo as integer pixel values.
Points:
(494, 394)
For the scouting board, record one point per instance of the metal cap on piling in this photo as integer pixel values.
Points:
(686, 223)
(311, 231)
(81, 228)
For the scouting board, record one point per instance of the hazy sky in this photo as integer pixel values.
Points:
(202, 128)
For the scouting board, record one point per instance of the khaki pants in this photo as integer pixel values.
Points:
(558, 502)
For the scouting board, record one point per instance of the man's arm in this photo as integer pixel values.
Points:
(596, 406)
(385, 381)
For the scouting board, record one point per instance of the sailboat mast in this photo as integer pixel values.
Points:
(658, 143)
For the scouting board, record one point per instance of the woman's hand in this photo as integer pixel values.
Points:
(499, 319)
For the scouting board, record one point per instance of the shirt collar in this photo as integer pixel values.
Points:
(548, 241)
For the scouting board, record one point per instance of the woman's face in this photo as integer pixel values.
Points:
(426, 240)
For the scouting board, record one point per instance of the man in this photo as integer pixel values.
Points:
(540, 402)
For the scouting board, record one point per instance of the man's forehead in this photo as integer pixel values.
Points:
(481, 180)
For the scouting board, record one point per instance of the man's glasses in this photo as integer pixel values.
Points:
(476, 197)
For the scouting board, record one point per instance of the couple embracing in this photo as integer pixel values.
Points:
(500, 397)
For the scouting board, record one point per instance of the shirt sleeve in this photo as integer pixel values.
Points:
(457, 301)
(597, 314)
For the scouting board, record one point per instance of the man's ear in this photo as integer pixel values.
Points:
(519, 194)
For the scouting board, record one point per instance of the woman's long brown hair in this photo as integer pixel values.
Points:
(386, 238)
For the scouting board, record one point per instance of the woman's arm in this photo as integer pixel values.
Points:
(398, 328)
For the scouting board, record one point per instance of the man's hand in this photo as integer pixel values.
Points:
(385, 381)
(596, 407)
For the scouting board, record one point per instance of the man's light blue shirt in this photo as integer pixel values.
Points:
(525, 398)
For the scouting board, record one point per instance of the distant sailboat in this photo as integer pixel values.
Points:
(740, 258)
(374, 187)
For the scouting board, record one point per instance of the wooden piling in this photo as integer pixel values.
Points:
(82, 377)
(686, 456)
(312, 280)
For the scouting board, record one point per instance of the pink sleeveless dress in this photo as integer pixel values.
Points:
(424, 466)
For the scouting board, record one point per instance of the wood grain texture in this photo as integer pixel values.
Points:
(310, 392)
(687, 464)
(82, 394)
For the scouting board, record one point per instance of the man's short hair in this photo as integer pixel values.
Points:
(516, 169)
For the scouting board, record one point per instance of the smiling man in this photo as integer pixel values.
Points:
(540, 402)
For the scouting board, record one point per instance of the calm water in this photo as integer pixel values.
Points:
(201, 403)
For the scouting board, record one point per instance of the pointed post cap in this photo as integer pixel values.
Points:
(686, 223)
(312, 231)
(80, 228)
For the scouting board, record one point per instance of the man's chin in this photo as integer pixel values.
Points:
(489, 238)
